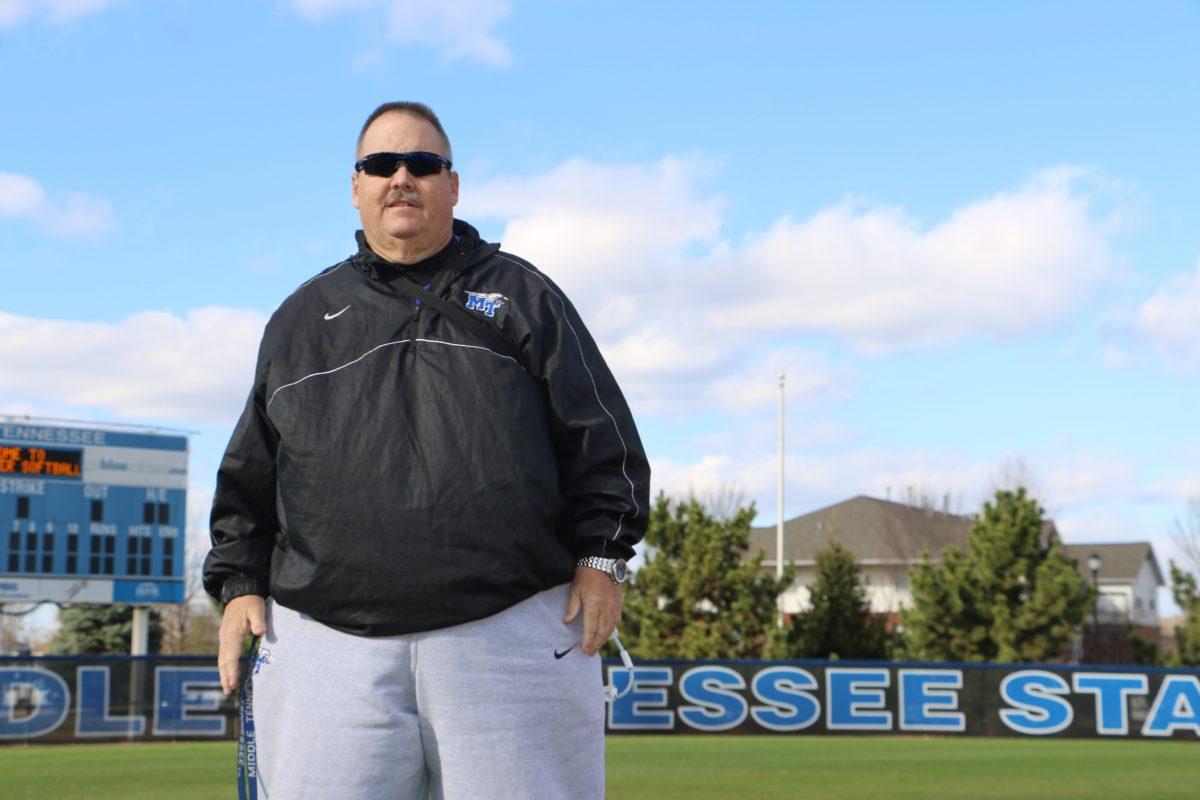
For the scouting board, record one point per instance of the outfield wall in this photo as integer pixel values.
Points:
(99, 698)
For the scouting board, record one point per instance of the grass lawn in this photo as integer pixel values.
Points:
(692, 768)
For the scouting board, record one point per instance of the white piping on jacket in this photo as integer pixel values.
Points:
(320, 275)
(595, 390)
(471, 346)
(335, 369)
(377, 347)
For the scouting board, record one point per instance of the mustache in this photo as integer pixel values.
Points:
(400, 194)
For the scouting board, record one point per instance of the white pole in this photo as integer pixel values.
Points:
(779, 500)
(140, 645)
(779, 491)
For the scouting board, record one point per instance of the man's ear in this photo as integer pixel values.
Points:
(354, 189)
(453, 188)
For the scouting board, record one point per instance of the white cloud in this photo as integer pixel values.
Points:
(754, 385)
(814, 481)
(152, 365)
(1080, 479)
(623, 240)
(606, 227)
(13, 11)
(1170, 320)
(807, 432)
(319, 10)
(1182, 488)
(685, 315)
(675, 367)
(616, 238)
(1001, 266)
(58, 12)
(1108, 524)
(1070, 483)
(662, 371)
(67, 10)
(22, 197)
(457, 28)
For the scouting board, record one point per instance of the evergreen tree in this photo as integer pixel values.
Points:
(840, 623)
(696, 597)
(1187, 638)
(1007, 597)
(1144, 651)
(95, 629)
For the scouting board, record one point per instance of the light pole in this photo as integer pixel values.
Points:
(779, 501)
(1094, 564)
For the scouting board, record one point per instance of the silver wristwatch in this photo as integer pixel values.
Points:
(614, 567)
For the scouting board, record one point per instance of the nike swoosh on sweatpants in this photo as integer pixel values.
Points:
(564, 652)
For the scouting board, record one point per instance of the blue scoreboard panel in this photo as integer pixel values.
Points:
(91, 516)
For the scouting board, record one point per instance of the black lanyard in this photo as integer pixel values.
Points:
(247, 755)
(495, 340)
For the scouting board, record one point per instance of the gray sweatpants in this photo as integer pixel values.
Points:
(480, 710)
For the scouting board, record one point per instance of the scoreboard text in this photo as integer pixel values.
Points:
(32, 461)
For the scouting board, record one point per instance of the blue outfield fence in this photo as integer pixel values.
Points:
(107, 698)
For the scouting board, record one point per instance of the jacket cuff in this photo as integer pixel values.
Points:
(602, 547)
(237, 587)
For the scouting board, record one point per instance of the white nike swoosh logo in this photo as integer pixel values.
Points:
(338, 314)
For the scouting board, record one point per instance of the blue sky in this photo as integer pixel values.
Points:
(966, 231)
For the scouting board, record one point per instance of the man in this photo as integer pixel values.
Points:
(425, 511)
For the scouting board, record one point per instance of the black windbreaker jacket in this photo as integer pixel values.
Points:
(392, 473)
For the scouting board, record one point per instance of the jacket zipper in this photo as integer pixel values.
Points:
(414, 326)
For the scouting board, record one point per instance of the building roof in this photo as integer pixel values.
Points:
(871, 529)
(1119, 563)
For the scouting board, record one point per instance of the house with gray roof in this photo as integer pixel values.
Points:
(1129, 579)
(887, 539)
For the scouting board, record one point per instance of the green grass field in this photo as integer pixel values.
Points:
(692, 768)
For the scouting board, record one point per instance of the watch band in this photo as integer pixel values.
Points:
(596, 562)
(613, 567)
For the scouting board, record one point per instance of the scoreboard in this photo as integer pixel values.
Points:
(91, 515)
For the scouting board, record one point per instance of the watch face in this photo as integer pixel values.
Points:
(620, 571)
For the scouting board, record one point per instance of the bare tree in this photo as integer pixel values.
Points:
(925, 506)
(925, 498)
(721, 502)
(1014, 472)
(13, 636)
(1186, 534)
(190, 627)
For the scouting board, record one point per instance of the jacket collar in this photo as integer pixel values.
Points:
(469, 250)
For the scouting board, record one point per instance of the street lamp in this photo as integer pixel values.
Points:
(1094, 563)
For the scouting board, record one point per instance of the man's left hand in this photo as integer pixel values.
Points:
(600, 599)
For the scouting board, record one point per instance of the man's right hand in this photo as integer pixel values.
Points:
(245, 614)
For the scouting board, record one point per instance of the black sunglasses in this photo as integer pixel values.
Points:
(384, 165)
